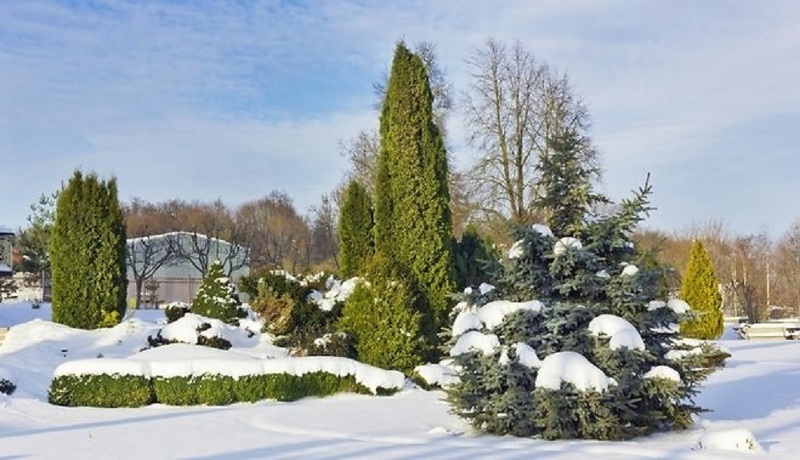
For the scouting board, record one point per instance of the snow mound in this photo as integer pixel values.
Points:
(493, 313)
(338, 291)
(527, 355)
(185, 330)
(735, 439)
(543, 230)
(574, 368)
(655, 305)
(676, 355)
(475, 341)
(485, 288)
(663, 372)
(678, 306)
(467, 320)
(442, 374)
(566, 243)
(629, 270)
(602, 274)
(490, 315)
(622, 333)
(516, 250)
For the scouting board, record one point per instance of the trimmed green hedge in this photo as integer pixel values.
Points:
(215, 390)
(101, 391)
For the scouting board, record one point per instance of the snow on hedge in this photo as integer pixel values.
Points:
(622, 334)
(574, 368)
(182, 360)
(663, 372)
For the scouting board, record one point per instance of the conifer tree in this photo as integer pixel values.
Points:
(700, 289)
(472, 254)
(573, 342)
(356, 243)
(217, 296)
(381, 318)
(412, 214)
(87, 253)
(566, 183)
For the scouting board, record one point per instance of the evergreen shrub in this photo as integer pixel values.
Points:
(650, 375)
(135, 391)
(217, 297)
(101, 391)
(7, 387)
(175, 311)
(700, 289)
(381, 318)
(87, 254)
(284, 302)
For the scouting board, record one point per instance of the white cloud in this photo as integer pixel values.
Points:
(264, 91)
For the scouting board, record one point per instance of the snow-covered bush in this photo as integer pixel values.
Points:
(7, 386)
(176, 310)
(217, 297)
(589, 358)
(384, 325)
(194, 329)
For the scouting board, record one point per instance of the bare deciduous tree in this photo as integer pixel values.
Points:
(209, 233)
(275, 233)
(146, 255)
(515, 106)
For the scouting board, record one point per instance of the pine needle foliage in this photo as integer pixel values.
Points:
(700, 289)
(566, 182)
(413, 224)
(87, 252)
(651, 383)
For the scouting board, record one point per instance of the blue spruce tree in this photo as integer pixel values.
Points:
(573, 342)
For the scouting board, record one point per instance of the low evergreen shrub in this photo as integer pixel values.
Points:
(101, 391)
(176, 311)
(213, 390)
(7, 386)
(289, 313)
(217, 297)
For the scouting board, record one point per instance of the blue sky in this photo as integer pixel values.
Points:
(234, 99)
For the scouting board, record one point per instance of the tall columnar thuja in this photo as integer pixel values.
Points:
(87, 253)
(356, 241)
(412, 214)
(700, 290)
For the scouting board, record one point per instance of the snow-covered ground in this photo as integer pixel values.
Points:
(757, 393)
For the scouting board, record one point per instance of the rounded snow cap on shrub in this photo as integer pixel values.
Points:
(565, 244)
(574, 368)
